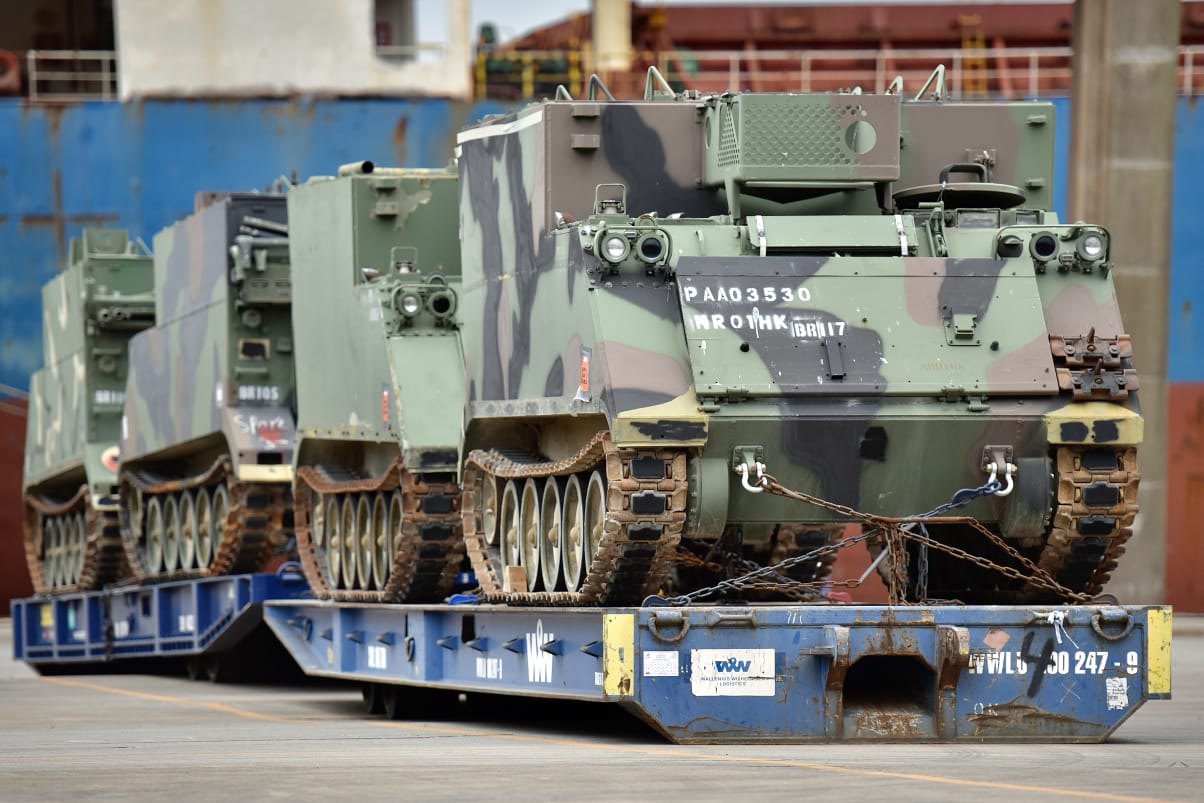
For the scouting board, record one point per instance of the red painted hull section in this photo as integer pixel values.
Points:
(1185, 498)
(851, 563)
(14, 576)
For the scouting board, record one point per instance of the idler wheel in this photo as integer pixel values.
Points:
(171, 534)
(204, 528)
(80, 526)
(572, 528)
(219, 507)
(489, 510)
(393, 536)
(529, 531)
(187, 523)
(154, 535)
(595, 514)
(550, 532)
(334, 542)
(363, 540)
(52, 539)
(508, 524)
(347, 544)
(380, 544)
(317, 521)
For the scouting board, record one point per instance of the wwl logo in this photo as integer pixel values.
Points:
(732, 665)
(539, 663)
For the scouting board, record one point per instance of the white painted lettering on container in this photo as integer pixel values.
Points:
(745, 294)
(539, 662)
(754, 321)
(261, 393)
(814, 330)
(1079, 662)
(489, 668)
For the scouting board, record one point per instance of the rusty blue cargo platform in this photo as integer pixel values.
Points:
(185, 618)
(772, 673)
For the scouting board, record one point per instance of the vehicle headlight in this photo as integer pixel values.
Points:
(614, 247)
(1091, 247)
(410, 304)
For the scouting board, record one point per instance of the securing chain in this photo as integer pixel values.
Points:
(896, 532)
(769, 578)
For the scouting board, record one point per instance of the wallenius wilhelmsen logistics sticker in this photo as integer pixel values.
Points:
(732, 673)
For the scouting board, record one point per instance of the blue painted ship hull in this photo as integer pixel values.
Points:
(139, 166)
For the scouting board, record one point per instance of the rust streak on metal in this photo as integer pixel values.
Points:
(58, 219)
(1020, 718)
(889, 725)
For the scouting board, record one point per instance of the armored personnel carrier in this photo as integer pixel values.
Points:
(376, 271)
(670, 304)
(90, 311)
(207, 430)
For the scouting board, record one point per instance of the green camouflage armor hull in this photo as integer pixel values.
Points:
(208, 428)
(868, 297)
(376, 269)
(90, 311)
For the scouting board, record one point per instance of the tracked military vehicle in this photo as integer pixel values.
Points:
(207, 430)
(668, 303)
(376, 271)
(90, 311)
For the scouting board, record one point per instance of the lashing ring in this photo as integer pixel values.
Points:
(671, 619)
(1097, 625)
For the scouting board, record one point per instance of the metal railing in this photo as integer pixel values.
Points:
(972, 72)
(992, 72)
(1007, 72)
(71, 74)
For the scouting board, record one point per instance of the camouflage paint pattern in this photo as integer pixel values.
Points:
(870, 351)
(527, 287)
(367, 372)
(215, 374)
(90, 311)
(1015, 140)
